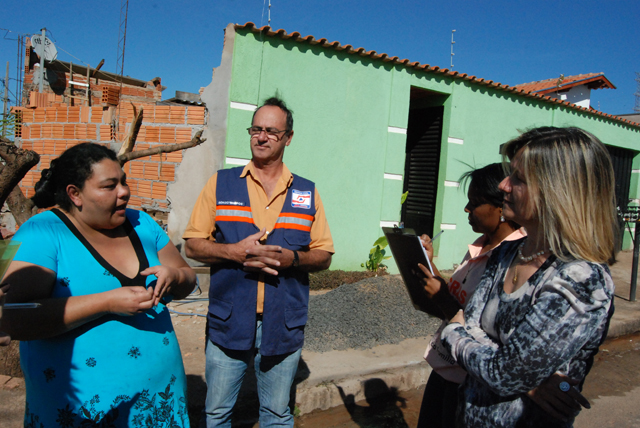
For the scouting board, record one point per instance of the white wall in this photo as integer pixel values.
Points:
(579, 95)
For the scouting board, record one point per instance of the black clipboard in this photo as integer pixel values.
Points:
(407, 252)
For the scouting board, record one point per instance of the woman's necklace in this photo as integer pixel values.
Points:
(525, 260)
(532, 256)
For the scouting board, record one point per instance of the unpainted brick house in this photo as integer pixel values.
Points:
(79, 104)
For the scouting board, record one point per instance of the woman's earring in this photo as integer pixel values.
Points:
(502, 218)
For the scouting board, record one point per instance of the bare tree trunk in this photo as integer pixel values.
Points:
(134, 129)
(17, 162)
(195, 141)
(21, 207)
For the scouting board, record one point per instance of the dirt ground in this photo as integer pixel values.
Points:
(190, 330)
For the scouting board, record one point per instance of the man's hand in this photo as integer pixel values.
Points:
(238, 252)
(207, 251)
(559, 404)
(268, 259)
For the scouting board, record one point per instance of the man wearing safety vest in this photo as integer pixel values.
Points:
(262, 229)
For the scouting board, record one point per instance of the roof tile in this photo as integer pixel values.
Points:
(593, 80)
(596, 80)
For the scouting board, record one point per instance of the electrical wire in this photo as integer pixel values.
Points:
(9, 31)
(185, 313)
(10, 92)
(51, 37)
(262, 17)
(58, 47)
(261, 51)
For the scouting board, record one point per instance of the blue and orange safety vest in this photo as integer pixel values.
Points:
(233, 292)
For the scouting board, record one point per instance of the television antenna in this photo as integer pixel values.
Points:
(636, 108)
(20, 38)
(122, 39)
(452, 43)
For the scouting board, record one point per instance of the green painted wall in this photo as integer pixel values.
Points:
(343, 107)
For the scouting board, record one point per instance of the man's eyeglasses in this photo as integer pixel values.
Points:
(271, 132)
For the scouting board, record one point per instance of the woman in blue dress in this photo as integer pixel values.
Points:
(101, 349)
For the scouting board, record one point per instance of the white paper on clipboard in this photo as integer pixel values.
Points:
(426, 256)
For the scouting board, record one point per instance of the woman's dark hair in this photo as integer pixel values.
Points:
(485, 183)
(74, 166)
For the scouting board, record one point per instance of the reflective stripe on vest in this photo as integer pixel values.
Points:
(233, 213)
(294, 221)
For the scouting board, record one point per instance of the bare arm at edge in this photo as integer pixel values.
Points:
(55, 316)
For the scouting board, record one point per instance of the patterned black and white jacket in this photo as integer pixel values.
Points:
(512, 342)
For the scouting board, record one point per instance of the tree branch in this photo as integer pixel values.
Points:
(168, 148)
(134, 129)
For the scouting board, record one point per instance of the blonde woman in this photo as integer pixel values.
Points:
(544, 302)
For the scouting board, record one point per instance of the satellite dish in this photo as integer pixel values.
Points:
(46, 50)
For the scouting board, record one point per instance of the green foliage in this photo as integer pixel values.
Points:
(377, 253)
(7, 125)
(296, 412)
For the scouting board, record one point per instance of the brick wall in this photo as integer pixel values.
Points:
(51, 130)
(61, 117)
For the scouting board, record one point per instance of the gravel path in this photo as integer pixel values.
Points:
(372, 312)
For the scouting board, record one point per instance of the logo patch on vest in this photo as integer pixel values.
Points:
(300, 199)
(231, 203)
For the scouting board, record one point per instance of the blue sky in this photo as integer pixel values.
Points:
(509, 42)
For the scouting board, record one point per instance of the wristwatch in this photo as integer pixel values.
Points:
(296, 260)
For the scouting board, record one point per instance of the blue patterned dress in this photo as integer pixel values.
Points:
(512, 342)
(116, 371)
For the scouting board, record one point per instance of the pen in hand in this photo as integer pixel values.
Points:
(21, 305)
(436, 237)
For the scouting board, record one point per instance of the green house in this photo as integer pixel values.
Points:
(369, 127)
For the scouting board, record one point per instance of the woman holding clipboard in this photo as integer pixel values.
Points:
(485, 216)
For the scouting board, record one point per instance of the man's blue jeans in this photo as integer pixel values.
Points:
(225, 370)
